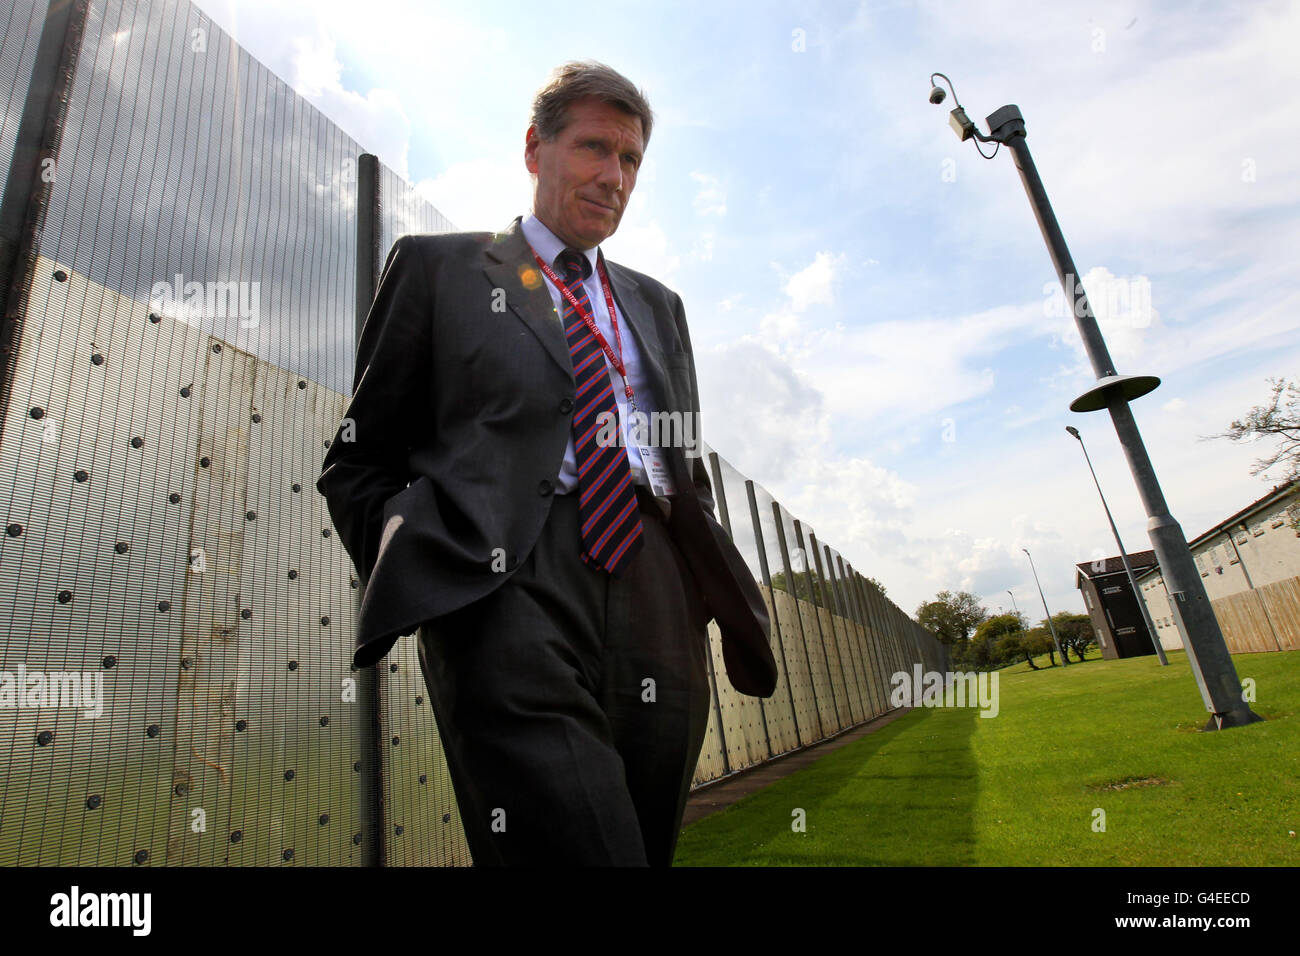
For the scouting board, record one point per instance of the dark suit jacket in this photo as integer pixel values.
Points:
(461, 411)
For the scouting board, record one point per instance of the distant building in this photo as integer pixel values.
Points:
(1249, 564)
(1112, 605)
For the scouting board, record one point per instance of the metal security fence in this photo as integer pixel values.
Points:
(185, 249)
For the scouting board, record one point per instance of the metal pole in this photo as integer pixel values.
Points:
(874, 652)
(884, 647)
(370, 684)
(790, 583)
(1123, 555)
(813, 591)
(776, 624)
(869, 704)
(876, 649)
(719, 496)
(859, 612)
(32, 171)
(1050, 626)
(860, 641)
(1207, 652)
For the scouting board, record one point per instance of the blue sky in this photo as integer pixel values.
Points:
(876, 321)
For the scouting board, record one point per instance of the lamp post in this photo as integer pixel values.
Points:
(1123, 555)
(1050, 626)
(1207, 653)
(1015, 608)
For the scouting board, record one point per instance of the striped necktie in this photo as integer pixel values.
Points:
(607, 504)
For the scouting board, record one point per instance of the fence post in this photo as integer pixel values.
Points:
(855, 592)
(370, 683)
(858, 618)
(838, 595)
(882, 650)
(724, 518)
(28, 183)
(887, 651)
(720, 495)
(817, 592)
(803, 637)
(776, 624)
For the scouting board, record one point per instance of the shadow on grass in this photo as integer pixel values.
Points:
(902, 796)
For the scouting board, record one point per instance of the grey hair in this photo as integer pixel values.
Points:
(577, 79)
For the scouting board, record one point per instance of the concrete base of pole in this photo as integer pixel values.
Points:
(1236, 718)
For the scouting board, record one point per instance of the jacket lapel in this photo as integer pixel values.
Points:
(511, 267)
(635, 313)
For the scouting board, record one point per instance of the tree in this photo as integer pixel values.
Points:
(1074, 631)
(989, 637)
(1039, 641)
(1012, 645)
(1277, 419)
(973, 655)
(991, 628)
(951, 617)
(801, 587)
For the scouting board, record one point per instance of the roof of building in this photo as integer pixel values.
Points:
(1140, 560)
(1278, 492)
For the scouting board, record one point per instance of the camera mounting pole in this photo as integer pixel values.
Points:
(1207, 652)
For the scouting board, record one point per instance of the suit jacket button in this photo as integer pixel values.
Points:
(566, 405)
(544, 487)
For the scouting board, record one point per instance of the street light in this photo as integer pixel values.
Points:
(1207, 653)
(1050, 626)
(1123, 555)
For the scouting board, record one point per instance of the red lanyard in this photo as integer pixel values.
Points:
(589, 319)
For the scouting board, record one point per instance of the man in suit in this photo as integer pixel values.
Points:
(561, 576)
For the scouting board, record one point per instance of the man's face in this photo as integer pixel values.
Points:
(585, 176)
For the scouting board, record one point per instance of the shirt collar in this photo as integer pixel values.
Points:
(548, 245)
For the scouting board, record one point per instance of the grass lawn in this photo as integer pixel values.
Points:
(947, 787)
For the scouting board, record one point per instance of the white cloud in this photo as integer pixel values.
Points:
(711, 198)
(780, 327)
(704, 244)
(644, 247)
(482, 194)
(757, 410)
(812, 284)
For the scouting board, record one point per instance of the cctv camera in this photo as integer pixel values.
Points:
(937, 95)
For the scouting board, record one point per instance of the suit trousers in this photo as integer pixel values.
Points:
(573, 704)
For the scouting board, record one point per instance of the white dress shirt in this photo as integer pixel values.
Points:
(546, 245)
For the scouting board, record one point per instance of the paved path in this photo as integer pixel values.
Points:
(713, 797)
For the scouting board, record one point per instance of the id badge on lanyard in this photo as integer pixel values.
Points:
(656, 469)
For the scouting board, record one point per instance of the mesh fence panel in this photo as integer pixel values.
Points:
(168, 572)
